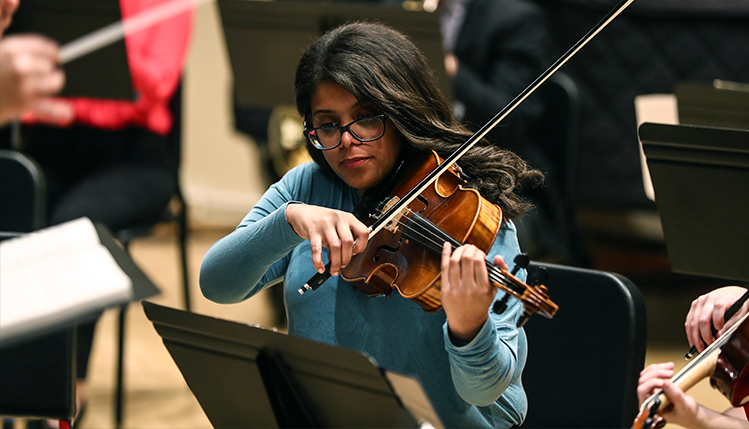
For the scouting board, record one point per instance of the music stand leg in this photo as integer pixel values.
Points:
(119, 394)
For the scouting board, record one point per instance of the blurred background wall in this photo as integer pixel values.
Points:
(221, 175)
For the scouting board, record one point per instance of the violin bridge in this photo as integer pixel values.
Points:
(394, 224)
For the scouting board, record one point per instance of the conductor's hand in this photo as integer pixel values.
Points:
(466, 292)
(709, 310)
(7, 9)
(341, 232)
(28, 72)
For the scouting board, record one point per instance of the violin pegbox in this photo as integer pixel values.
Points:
(533, 294)
(521, 261)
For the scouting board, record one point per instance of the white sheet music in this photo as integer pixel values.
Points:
(56, 274)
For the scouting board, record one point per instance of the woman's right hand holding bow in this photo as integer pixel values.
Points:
(341, 232)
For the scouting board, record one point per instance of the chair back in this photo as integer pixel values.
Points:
(583, 365)
(23, 193)
(558, 137)
(144, 227)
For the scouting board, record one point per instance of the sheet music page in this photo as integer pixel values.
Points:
(57, 274)
(413, 397)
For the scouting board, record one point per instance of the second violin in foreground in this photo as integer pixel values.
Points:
(724, 362)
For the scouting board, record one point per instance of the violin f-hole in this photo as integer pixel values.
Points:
(386, 248)
(423, 201)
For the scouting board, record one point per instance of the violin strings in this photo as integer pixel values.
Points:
(718, 343)
(495, 273)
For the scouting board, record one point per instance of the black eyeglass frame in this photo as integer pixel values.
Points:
(342, 129)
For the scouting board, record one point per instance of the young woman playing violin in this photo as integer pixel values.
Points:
(706, 312)
(370, 102)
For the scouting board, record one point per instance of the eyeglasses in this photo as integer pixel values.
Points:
(366, 129)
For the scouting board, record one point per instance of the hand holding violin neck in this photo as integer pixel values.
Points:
(700, 368)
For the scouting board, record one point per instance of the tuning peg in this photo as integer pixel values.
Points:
(521, 261)
(500, 306)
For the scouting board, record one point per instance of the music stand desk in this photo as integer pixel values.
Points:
(701, 181)
(142, 288)
(266, 39)
(37, 365)
(706, 105)
(250, 377)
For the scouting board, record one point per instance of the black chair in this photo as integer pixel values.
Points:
(558, 141)
(558, 135)
(37, 377)
(24, 204)
(176, 212)
(583, 364)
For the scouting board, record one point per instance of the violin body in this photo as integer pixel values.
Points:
(410, 261)
(731, 369)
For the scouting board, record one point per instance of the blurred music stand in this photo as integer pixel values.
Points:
(245, 376)
(142, 288)
(37, 366)
(705, 105)
(266, 39)
(701, 180)
(38, 377)
(102, 74)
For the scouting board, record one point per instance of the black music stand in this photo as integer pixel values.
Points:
(104, 73)
(41, 386)
(142, 288)
(266, 39)
(705, 105)
(37, 364)
(701, 181)
(250, 377)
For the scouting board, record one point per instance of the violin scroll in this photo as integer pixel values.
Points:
(648, 417)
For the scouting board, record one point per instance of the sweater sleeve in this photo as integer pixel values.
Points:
(483, 368)
(240, 264)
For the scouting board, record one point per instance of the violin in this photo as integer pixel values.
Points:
(405, 256)
(724, 361)
(381, 279)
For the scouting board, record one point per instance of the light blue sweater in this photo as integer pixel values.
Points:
(470, 385)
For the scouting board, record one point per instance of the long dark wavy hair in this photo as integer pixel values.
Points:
(382, 66)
